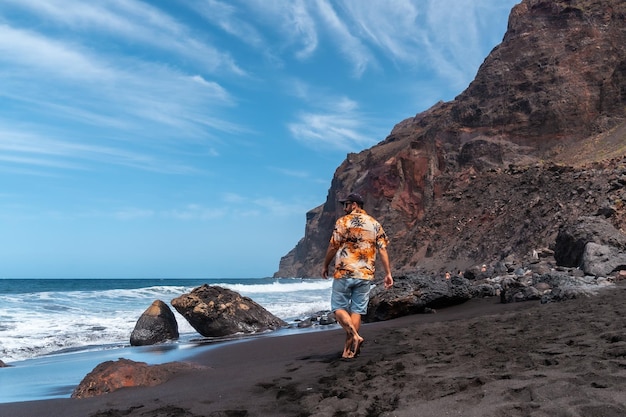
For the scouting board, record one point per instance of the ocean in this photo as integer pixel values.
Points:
(55, 331)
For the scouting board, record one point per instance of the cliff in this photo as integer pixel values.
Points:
(537, 140)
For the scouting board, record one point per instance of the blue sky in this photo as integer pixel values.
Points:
(188, 139)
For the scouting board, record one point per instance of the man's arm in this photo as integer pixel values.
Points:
(330, 255)
(384, 258)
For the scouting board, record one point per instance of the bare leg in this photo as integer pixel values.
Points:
(353, 339)
(356, 321)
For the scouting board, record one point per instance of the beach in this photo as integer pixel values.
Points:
(481, 358)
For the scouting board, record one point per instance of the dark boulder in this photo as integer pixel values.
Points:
(592, 244)
(112, 375)
(412, 294)
(215, 311)
(156, 325)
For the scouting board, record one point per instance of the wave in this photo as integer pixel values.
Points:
(69, 319)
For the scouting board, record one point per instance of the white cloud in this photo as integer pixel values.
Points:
(330, 131)
(290, 172)
(131, 22)
(233, 198)
(391, 27)
(280, 208)
(196, 212)
(109, 93)
(30, 51)
(132, 214)
(22, 149)
(346, 42)
(330, 122)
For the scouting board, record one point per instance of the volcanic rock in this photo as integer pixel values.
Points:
(157, 324)
(413, 294)
(215, 311)
(112, 375)
(593, 244)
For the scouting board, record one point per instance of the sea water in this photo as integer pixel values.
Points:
(54, 331)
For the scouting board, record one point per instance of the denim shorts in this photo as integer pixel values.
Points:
(350, 294)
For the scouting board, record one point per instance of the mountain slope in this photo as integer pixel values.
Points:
(536, 140)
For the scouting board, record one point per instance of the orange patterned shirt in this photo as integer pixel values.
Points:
(357, 236)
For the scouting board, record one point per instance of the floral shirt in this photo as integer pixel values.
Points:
(357, 236)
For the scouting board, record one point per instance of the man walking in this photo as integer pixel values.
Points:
(356, 239)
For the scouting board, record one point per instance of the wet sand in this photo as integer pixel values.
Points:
(481, 358)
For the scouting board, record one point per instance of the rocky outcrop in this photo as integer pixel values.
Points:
(3, 365)
(413, 294)
(156, 325)
(112, 375)
(512, 280)
(535, 141)
(214, 311)
(593, 244)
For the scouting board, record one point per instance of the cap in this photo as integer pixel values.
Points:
(354, 198)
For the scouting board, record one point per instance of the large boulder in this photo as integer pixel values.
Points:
(110, 376)
(603, 260)
(592, 244)
(216, 311)
(157, 324)
(412, 294)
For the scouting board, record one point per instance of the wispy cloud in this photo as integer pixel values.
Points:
(446, 36)
(132, 214)
(19, 148)
(291, 20)
(330, 131)
(443, 37)
(350, 45)
(195, 212)
(280, 208)
(133, 22)
(290, 172)
(28, 50)
(331, 123)
(121, 88)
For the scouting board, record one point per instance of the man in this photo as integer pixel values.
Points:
(356, 239)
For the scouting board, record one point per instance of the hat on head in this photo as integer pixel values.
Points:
(354, 198)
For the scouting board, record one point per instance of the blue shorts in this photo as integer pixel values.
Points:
(350, 294)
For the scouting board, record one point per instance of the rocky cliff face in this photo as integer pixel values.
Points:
(534, 142)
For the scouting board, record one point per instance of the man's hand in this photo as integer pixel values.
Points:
(330, 255)
(388, 281)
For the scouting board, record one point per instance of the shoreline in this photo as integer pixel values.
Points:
(480, 358)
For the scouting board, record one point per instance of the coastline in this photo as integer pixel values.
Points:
(481, 358)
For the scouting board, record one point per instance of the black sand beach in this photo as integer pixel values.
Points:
(481, 358)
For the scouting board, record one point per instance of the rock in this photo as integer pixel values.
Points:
(484, 290)
(327, 319)
(157, 324)
(3, 365)
(593, 244)
(602, 260)
(321, 318)
(215, 311)
(412, 294)
(520, 294)
(112, 375)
